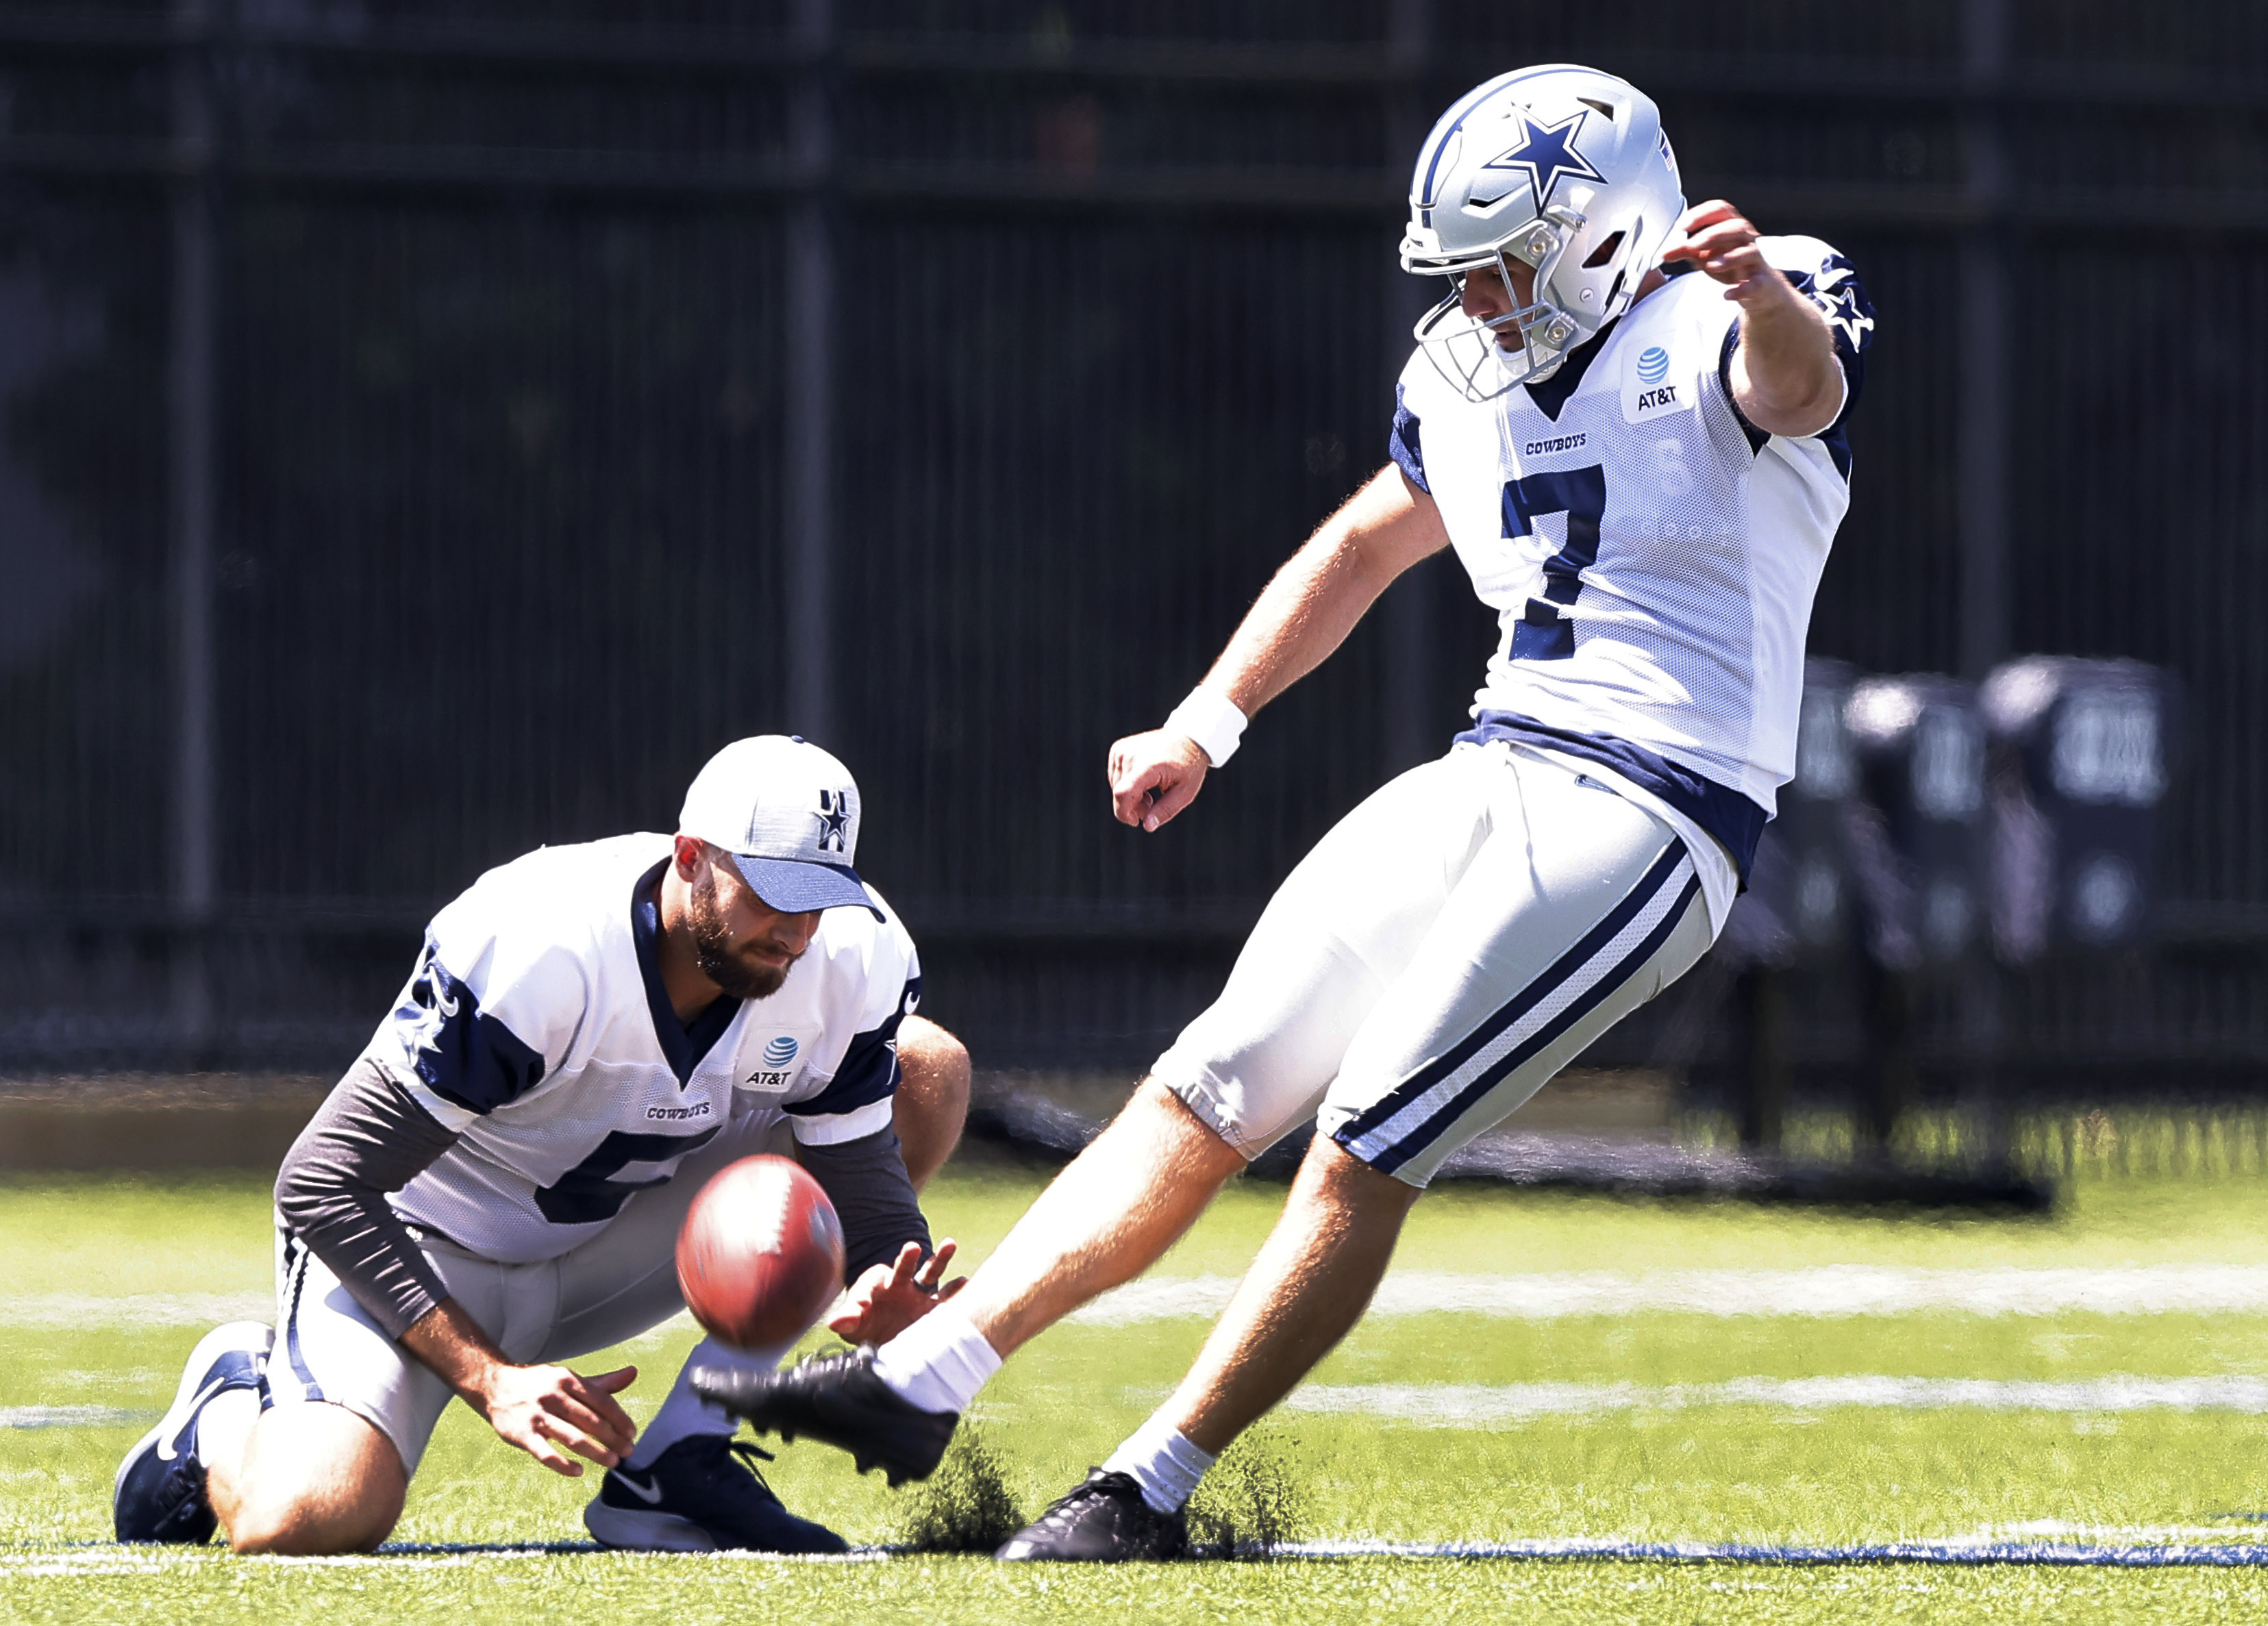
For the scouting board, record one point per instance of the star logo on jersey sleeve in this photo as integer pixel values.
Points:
(1836, 292)
(1547, 152)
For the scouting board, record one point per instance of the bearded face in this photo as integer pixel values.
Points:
(745, 968)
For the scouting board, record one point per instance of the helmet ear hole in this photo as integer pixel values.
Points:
(1604, 252)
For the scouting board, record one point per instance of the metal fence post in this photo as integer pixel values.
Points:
(808, 504)
(1409, 610)
(192, 867)
(1982, 470)
(1987, 348)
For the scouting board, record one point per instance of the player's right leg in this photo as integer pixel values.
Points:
(1246, 1072)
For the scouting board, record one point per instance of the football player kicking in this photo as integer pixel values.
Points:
(497, 1185)
(1642, 470)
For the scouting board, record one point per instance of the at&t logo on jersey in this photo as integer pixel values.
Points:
(1656, 393)
(778, 1056)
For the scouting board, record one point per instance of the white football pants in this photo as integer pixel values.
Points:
(621, 1283)
(1449, 945)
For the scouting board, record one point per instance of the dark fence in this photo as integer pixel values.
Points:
(430, 430)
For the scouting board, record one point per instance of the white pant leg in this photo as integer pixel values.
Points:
(1552, 936)
(328, 1348)
(1338, 932)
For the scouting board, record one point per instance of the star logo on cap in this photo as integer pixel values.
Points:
(1547, 152)
(834, 816)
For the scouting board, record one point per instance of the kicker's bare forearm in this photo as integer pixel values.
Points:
(1315, 601)
(1785, 378)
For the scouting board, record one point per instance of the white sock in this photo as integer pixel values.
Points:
(1163, 1461)
(224, 1426)
(939, 1363)
(684, 1413)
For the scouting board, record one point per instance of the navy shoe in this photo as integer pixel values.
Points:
(159, 1493)
(1103, 1520)
(702, 1495)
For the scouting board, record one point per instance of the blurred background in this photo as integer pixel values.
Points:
(427, 432)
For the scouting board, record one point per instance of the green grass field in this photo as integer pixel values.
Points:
(1692, 1410)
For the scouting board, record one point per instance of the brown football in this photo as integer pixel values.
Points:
(761, 1254)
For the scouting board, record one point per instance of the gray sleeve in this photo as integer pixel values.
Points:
(367, 1139)
(865, 1178)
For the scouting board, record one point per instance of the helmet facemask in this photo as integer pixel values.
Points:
(1468, 350)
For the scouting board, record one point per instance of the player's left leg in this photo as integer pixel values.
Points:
(1568, 919)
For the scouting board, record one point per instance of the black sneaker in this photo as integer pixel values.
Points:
(159, 1493)
(836, 1399)
(1103, 1520)
(702, 1495)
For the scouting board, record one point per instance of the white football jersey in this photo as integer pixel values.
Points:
(1651, 556)
(536, 1026)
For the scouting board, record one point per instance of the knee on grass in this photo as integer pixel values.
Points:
(306, 1529)
(314, 1480)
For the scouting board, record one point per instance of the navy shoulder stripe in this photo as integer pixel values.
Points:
(459, 1052)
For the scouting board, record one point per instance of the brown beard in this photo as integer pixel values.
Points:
(712, 949)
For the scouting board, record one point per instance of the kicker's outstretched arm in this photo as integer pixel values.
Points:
(1315, 601)
(1305, 612)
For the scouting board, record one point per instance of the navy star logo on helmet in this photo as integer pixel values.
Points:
(1547, 152)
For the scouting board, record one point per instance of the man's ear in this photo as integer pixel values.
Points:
(691, 857)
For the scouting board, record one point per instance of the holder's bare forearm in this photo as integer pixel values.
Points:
(447, 1339)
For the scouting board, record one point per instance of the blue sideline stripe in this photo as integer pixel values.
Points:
(1406, 1094)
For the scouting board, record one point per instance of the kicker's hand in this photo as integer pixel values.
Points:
(1723, 245)
(1154, 776)
(541, 1409)
(885, 1300)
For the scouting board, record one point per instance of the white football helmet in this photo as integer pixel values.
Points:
(1565, 169)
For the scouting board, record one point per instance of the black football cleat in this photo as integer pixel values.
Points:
(702, 1495)
(1103, 1520)
(838, 1399)
(159, 1493)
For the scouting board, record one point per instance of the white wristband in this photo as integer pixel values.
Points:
(1210, 718)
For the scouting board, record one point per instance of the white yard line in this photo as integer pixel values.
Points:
(2103, 1547)
(73, 1310)
(1465, 1405)
(1826, 1291)
(68, 1416)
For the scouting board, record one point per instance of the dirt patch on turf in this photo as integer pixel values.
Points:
(965, 1506)
(1249, 1504)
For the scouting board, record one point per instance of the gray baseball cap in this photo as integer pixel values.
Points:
(788, 813)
